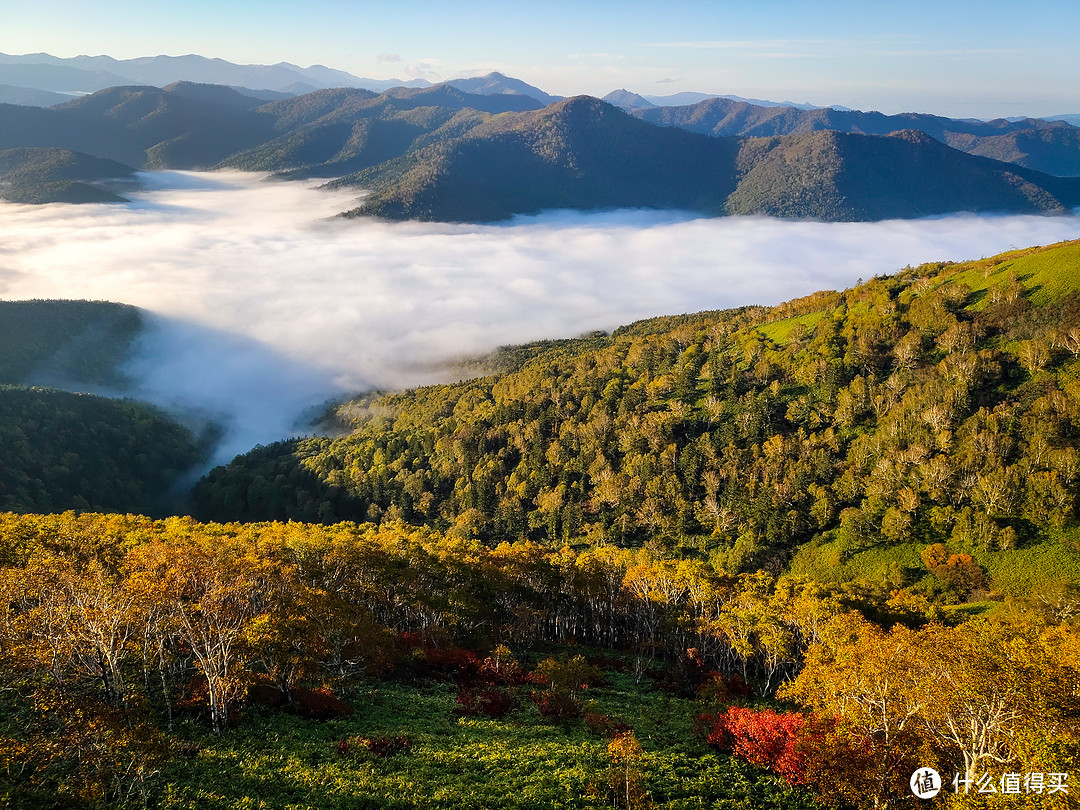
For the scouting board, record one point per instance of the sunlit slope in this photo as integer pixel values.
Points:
(1044, 275)
(915, 408)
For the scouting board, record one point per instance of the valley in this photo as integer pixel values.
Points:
(436, 442)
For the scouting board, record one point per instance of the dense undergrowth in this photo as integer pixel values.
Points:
(520, 761)
(178, 664)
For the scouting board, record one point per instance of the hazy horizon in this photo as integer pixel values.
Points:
(963, 59)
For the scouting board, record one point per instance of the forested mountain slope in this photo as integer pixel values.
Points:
(594, 606)
(144, 127)
(86, 342)
(941, 404)
(64, 450)
(78, 451)
(336, 132)
(44, 175)
(837, 177)
(583, 153)
(192, 126)
(579, 153)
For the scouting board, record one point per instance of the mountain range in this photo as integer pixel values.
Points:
(584, 153)
(61, 79)
(82, 74)
(443, 153)
(58, 79)
(1049, 146)
(631, 101)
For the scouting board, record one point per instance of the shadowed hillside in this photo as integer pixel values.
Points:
(585, 154)
(1047, 146)
(439, 153)
(46, 175)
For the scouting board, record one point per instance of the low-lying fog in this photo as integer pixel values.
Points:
(266, 306)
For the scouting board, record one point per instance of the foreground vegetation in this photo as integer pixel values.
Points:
(179, 664)
(518, 761)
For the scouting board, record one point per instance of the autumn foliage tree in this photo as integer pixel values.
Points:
(626, 772)
(984, 695)
(107, 624)
(216, 590)
(867, 679)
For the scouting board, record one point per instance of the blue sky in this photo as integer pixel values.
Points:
(952, 57)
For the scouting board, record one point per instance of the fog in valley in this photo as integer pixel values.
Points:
(264, 304)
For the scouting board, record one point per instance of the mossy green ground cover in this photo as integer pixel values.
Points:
(826, 562)
(780, 331)
(1046, 275)
(276, 760)
(1017, 573)
(1027, 571)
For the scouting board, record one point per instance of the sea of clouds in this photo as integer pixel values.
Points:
(263, 304)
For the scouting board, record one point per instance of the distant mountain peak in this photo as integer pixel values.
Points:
(495, 83)
(213, 94)
(627, 100)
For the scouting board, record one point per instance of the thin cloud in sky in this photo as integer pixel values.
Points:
(735, 44)
(830, 48)
(265, 304)
(424, 69)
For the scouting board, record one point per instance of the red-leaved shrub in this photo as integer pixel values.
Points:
(604, 726)
(766, 738)
(502, 668)
(453, 662)
(385, 746)
(717, 688)
(556, 705)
